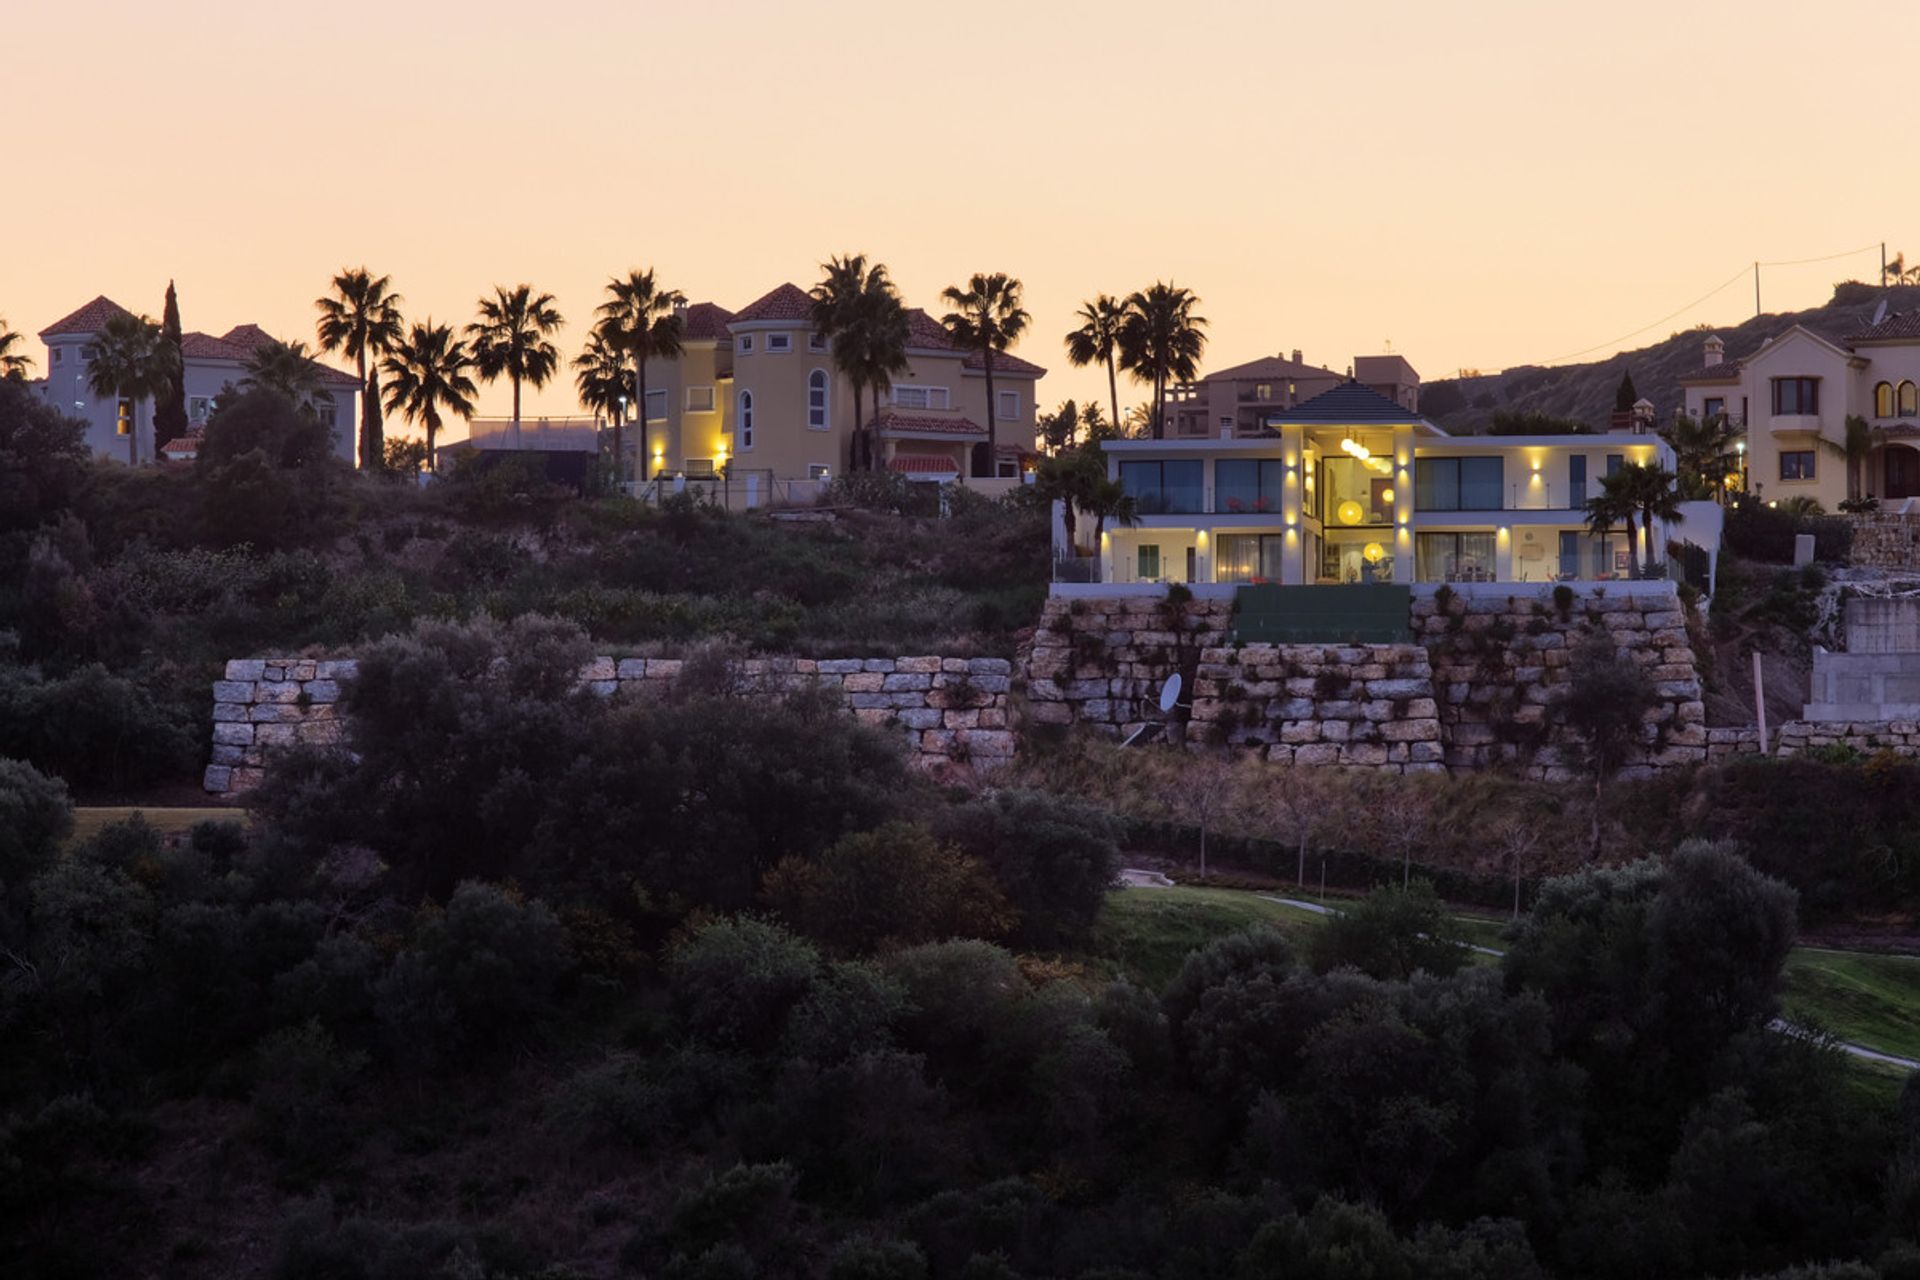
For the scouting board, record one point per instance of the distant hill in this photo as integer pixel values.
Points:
(1584, 392)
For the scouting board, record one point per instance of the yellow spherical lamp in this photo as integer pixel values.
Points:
(1373, 553)
(1350, 512)
(1386, 495)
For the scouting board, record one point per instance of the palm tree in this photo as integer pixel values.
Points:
(1161, 340)
(128, 361)
(987, 317)
(1855, 448)
(362, 319)
(600, 374)
(1612, 507)
(641, 320)
(510, 337)
(1704, 454)
(1097, 340)
(426, 372)
(13, 364)
(1073, 477)
(286, 368)
(1109, 500)
(1651, 489)
(858, 311)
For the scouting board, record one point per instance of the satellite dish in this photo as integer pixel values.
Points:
(1170, 693)
(1879, 313)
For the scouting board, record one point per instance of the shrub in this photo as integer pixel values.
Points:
(893, 886)
(43, 458)
(1055, 858)
(35, 816)
(749, 1204)
(862, 1258)
(93, 728)
(301, 1078)
(480, 974)
(735, 980)
(1392, 933)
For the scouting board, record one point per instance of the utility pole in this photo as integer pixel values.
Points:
(1883, 264)
(1756, 288)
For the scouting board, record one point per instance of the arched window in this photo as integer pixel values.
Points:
(1909, 400)
(817, 400)
(743, 426)
(1883, 400)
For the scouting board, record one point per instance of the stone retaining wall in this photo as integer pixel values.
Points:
(952, 711)
(1885, 540)
(1473, 691)
(1366, 706)
(1902, 737)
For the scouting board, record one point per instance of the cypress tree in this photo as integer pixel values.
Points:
(372, 431)
(170, 404)
(1623, 398)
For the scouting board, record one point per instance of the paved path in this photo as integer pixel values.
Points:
(1154, 880)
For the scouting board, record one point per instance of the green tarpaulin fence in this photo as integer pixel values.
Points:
(1371, 613)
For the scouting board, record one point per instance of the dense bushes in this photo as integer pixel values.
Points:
(1756, 531)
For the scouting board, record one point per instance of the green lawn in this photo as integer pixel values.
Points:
(1868, 1000)
(1871, 1000)
(88, 821)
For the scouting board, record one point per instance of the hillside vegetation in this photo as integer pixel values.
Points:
(1585, 392)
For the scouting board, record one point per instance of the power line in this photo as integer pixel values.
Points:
(1732, 280)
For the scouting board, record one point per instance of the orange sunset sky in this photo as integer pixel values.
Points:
(1483, 183)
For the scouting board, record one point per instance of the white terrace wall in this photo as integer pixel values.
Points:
(953, 711)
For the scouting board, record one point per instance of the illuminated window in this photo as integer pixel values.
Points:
(817, 419)
(1883, 400)
(1908, 398)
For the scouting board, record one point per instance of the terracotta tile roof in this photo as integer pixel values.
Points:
(204, 346)
(705, 320)
(924, 333)
(923, 464)
(888, 423)
(249, 338)
(785, 302)
(1272, 367)
(91, 318)
(1725, 371)
(1899, 326)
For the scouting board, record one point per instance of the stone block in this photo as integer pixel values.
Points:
(883, 665)
(275, 713)
(630, 669)
(1425, 753)
(1294, 732)
(275, 669)
(1319, 753)
(229, 712)
(864, 682)
(1683, 690)
(217, 779)
(1364, 754)
(993, 718)
(868, 701)
(841, 666)
(921, 666)
(233, 735)
(906, 698)
(233, 691)
(938, 742)
(302, 670)
(964, 720)
(338, 669)
(323, 691)
(921, 718)
(604, 688)
(1665, 620)
(274, 735)
(1411, 731)
(877, 717)
(276, 691)
(908, 681)
(246, 669)
(988, 743)
(224, 754)
(320, 733)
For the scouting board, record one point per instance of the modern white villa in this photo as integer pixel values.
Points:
(1352, 487)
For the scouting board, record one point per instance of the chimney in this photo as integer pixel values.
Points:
(1296, 355)
(680, 309)
(1716, 350)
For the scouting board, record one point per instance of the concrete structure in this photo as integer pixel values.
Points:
(1248, 399)
(755, 393)
(1878, 677)
(1792, 398)
(1352, 486)
(209, 364)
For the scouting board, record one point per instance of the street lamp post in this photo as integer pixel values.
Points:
(620, 464)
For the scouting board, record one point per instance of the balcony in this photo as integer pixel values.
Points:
(1785, 423)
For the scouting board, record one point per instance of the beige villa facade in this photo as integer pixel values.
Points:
(1792, 398)
(755, 396)
(1351, 487)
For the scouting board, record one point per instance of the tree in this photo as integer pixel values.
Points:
(170, 401)
(1625, 396)
(1297, 802)
(1055, 858)
(1650, 488)
(36, 817)
(428, 372)
(1201, 789)
(1612, 507)
(987, 317)
(858, 311)
(1855, 448)
(43, 457)
(1604, 708)
(1392, 933)
(600, 376)
(126, 361)
(641, 320)
(1071, 478)
(1097, 340)
(14, 364)
(890, 887)
(1109, 501)
(286, 369)
(1060, 429)
(1161, 340)
(510, 338)
(1704, 454)
(361, 318)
